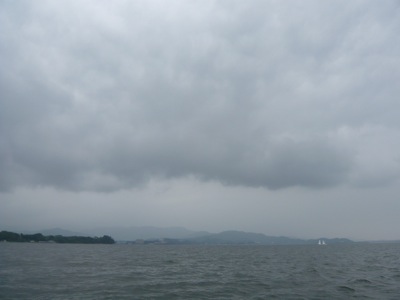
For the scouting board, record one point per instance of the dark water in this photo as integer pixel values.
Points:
(56, 271)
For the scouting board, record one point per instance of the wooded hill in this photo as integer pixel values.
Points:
(7, 236)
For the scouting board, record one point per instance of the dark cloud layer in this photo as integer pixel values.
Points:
(104, 96)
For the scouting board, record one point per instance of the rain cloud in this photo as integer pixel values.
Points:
(104, 96)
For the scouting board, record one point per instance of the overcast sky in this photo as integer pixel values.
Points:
(279, 117)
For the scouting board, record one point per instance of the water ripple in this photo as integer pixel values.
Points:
(53, 271)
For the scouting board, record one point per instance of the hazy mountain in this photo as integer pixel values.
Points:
(183, 235)
(240, 237)
(58, 231)
(146, 233)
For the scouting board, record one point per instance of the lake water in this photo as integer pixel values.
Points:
(70, 271)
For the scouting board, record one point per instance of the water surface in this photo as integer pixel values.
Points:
(70, 271)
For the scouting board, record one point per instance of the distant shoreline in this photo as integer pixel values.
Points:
(8, 236)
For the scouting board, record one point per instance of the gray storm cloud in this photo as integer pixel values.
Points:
(105, 96)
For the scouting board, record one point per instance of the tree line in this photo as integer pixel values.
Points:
(7, 236)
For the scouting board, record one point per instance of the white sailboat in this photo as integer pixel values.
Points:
(321, 243)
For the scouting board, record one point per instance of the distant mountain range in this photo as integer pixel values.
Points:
(147, 233)
(129, 233)
(240, 237)
(180, 235)
(59, 231)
